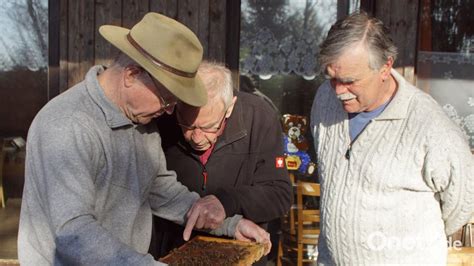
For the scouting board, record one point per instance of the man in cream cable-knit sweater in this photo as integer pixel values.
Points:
(396, 174)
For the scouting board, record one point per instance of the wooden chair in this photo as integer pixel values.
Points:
(12, 165)
(467, 234)
(461, 257)
(299, 238)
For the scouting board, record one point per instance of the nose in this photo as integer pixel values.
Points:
(339, 87)
(197, 134)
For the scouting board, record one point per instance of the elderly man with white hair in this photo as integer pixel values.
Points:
(396, 174)
(227, 148)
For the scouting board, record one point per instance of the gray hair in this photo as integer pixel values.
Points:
(355, 28)
(217, 80)
(122, 61)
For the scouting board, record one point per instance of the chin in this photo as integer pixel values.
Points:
(351, 108)
(200, 148)
(144, 121)
(348, 109)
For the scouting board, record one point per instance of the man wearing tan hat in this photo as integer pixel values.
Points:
(95, 170)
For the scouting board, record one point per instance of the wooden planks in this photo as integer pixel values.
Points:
(106, 12)
(63, 46)
(81, 46)
(217, 30)
(133, 11)
(232, 38)
(203, 25)
(81, 30)
(188, 13)
(53, 50)
(401, 17)
(168, 8)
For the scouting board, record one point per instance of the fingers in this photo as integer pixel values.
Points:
(213, 210)
(192, 218)
(263, 237)
(202, 221)
(206, 213)
(240, 237)
(267, 244)
(250, 230)
(268, 247)
(247, 230)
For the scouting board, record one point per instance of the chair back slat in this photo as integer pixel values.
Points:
(303, 224)
(310, 189)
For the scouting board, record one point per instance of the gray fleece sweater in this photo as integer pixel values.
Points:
(92, 181)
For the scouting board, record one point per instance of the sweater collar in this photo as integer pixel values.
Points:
(113, 116)
(398, 106)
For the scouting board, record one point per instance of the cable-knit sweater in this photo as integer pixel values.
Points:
(406, 184)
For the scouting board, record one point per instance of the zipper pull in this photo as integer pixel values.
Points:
(348, 153)
(204, 174)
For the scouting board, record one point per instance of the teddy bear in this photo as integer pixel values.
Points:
(296, 145)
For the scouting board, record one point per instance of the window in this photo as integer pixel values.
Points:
(445, 64)
(24, 61)
(279, 45)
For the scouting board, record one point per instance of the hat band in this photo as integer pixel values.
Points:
(157, 62)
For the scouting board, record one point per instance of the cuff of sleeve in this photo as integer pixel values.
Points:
(227, 201)
(228, 227)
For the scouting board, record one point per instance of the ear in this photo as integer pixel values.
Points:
(285, 118)
(131, 74)
(231, 107)
(386, 68)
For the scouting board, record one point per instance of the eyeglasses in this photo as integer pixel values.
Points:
(204, 129)
(164, 104)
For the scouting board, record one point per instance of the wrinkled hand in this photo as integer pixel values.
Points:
(246, 230)
(207, 212)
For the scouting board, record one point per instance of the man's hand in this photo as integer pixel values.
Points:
(206, 213)
(246, 230)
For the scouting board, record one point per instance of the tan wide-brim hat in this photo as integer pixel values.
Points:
(165, 48)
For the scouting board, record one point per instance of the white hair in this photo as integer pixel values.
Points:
(217, 80)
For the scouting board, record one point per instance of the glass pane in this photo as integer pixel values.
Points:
(446, 62)
(279, 43)
(23, 59)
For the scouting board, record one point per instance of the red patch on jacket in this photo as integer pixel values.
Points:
(279, 162)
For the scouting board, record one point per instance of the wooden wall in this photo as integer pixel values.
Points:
(401, 17)
(80, 45)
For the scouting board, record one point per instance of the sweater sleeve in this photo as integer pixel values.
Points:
(449, 171)
(169, 199)
(62, 159)
(269, 194)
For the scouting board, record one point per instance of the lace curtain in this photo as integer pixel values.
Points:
(282, 37)
(270, 56)
(449, 78)
(445, 67)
